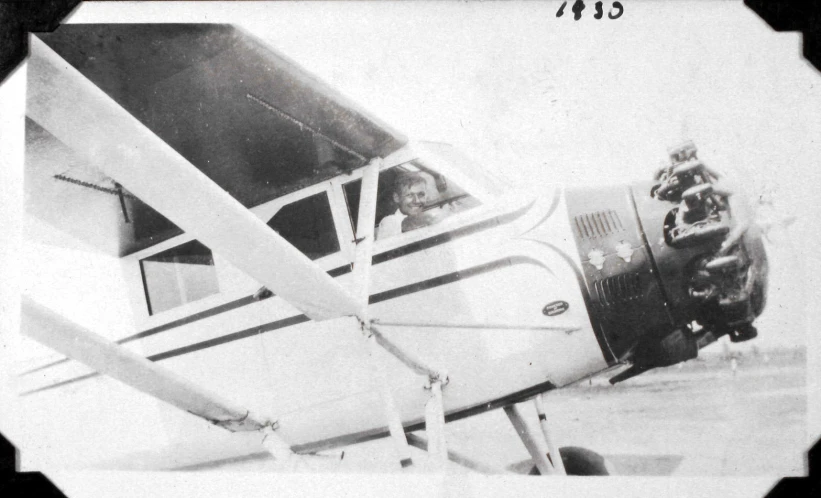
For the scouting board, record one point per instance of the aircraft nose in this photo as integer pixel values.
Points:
(727, 280)
(670, 265)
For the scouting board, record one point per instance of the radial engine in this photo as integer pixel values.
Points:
(669, 266)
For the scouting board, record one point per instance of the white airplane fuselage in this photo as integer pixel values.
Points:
(466, 296)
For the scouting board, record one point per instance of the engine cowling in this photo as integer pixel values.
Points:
(671, 265)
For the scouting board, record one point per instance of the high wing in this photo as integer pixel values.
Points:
(252, 121)
(278, 129)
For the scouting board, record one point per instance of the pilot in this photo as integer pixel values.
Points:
(409, 194)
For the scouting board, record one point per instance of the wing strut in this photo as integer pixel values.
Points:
(435, 423)
(361, 281)
(434, 409)
(75, 111)
(365, 234)
(74, 341)
(66, 337)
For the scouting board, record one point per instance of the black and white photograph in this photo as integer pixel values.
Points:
(411, 248)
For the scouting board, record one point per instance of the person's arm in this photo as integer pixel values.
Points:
(420, 220)
(380, 232)
(389, 226)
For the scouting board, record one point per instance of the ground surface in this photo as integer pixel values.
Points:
(699, 419)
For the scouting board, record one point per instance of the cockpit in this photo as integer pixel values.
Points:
(319, 220)
(437, 197)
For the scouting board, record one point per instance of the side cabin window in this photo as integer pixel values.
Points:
(410, 197)
(186, 273)
(308, 225)
(178, 276)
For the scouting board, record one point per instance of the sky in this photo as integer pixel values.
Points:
(543, 99)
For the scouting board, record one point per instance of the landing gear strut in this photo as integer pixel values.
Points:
(547, 459)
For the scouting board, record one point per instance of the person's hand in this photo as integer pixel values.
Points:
(413, 222)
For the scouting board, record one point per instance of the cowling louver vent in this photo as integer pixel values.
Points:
(618, 289)
(598, 224)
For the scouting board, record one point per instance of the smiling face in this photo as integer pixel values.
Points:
(411, 198)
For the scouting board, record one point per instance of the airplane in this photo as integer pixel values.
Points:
(238, 198)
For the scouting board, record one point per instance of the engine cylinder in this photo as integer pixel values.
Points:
(669, 265)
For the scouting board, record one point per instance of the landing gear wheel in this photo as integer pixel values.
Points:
(580, 462)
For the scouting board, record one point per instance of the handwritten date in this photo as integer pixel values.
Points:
(616, 10)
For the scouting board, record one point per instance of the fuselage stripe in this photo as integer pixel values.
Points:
(342, 270)
(449, 236)
(298, 319)
(451, 277)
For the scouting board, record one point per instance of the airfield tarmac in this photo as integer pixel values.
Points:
(700, 420)
(697, 420)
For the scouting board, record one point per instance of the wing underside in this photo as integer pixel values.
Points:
(246, 117)
(106, 136)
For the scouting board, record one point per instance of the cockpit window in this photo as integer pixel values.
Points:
(177, 276)
(410, 197)
(308, 225)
